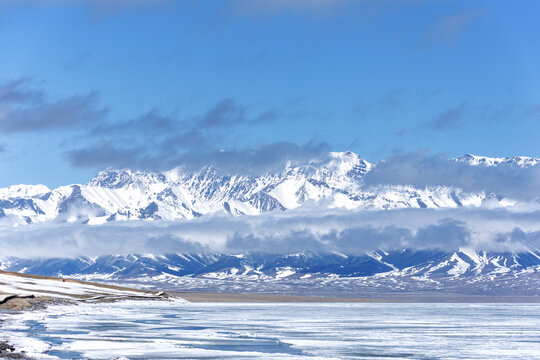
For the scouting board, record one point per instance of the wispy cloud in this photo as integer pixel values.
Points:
(155, 140)
(388, 103)
(254, 161)
(69, 112)
(447, 119)
(24, 108)
(500, 112)
(422, 170)
(532, 112)
(470, 113)
(225, 113)
(160, 141)
(452, 25)
(19, 91)
(449, 27)
(77, 61)
(276, 6)
(98, 4)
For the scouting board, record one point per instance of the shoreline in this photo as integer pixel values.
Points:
(217, 297)
(223, 297)
(11, 303)
(26, 292)
(117, 292)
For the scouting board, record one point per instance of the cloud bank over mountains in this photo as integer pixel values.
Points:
(159, 141)
(507, 222)
(349, 232)
(262, 91)
(422, 170)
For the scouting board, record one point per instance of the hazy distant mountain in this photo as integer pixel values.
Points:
(522, 161)
(464, 271)
(115, 195)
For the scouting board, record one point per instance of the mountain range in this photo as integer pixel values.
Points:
(181, 194)
(377, 272)
(118, 195)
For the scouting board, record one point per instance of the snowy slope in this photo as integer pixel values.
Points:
(115, 195)
(27, 285)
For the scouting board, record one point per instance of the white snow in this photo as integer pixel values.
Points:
(460, 266)
(121, 195)
(284, 272)
(13, 284)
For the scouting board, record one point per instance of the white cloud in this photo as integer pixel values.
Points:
(422, 170)
(350, 232)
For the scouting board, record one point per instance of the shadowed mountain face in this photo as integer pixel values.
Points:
(116, 195)
(464, 271)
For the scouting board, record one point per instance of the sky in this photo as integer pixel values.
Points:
(153, 84)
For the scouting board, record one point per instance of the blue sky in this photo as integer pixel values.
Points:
(85, 85)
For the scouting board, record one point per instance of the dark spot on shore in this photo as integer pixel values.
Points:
(8, 352)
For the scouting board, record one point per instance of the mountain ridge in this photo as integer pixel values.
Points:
(114, 195)
(463, 271)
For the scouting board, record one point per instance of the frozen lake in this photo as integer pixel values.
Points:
(175, 330)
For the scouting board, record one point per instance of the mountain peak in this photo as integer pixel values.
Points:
(118, 178)
(23, 191)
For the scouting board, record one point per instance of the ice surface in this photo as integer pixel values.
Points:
(173, 330)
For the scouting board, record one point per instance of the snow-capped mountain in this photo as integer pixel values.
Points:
(122, 195)
(463, 271)
(522, 161)
(181, 194)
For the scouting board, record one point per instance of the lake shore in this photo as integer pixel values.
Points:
(28, 292)
(32, 297)
(221, 297)
(38, 292)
